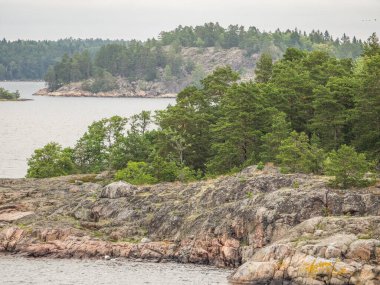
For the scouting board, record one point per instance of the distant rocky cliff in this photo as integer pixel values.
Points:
(205, 61)
(276, 228)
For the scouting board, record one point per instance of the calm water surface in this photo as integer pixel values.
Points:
(14, 270)
(25, 126)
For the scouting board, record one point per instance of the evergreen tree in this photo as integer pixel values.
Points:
(243, 119)
(264, 67)
(372, 46)
(279, 131)
(297, 154)
(347, 166)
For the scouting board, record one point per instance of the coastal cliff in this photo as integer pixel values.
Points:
(276, 228)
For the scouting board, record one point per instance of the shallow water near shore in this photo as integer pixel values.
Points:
(27, 125)
(19, 270)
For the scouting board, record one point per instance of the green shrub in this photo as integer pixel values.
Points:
(164, 170)
(102, 83)
(50, 161)
(7, 95)
(186, 174)
(347, 166)
(136, 173)
(260, 165)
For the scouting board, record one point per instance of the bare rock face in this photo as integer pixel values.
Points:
(13, 216)
(280, 229)
(117, 190)
(305, 258)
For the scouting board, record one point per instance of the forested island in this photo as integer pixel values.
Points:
(162, 66)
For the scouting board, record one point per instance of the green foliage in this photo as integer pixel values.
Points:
(133, 147)
(186, 174)
(148, 60)
(69, 69)
(49, 161)
(347, 166)
(312, 104)
(271, 141)
(92, 151)
(332, 106)
(29, 60)
(372, 46)
(264, 67)
(164, 170)
(297, 154)
(103, 82)
(260, 165)
(252, 40)
(7, 95)
(366, 114)
(157, 171)
(136, 173)
(244, 117)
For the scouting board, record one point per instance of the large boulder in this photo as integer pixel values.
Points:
(117, 190)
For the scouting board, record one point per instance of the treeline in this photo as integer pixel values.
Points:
(29, 60)
(255, 41)
(161, 59)
(309, 112)
(135, 60)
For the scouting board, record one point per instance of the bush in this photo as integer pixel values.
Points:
(50, 161)
(164, 170)
(136, 173)
(260, 165)
(102, 83)
(186, 174)
(347, 166)
(7, 95)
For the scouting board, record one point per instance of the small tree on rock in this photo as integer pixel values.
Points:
(347, 166)
(298, 154)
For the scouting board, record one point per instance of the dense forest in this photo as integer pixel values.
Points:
(145, 60)
(160, 59)
(29, 60)
(255, 41)
(308, 112)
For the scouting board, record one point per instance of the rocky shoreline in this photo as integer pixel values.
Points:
(68, 91)
(126, 89)
(274, 228)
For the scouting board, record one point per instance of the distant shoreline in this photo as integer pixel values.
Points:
(19, 80)
(15, 100)
(77, 92)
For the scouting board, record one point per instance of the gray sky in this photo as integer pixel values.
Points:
(127, 19)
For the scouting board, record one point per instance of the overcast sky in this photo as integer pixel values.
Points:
(128, 19)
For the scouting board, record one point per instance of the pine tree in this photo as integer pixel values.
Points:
(263, 69)
(347, 166)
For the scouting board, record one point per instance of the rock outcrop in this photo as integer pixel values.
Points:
(280, 229)
(206, 60)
